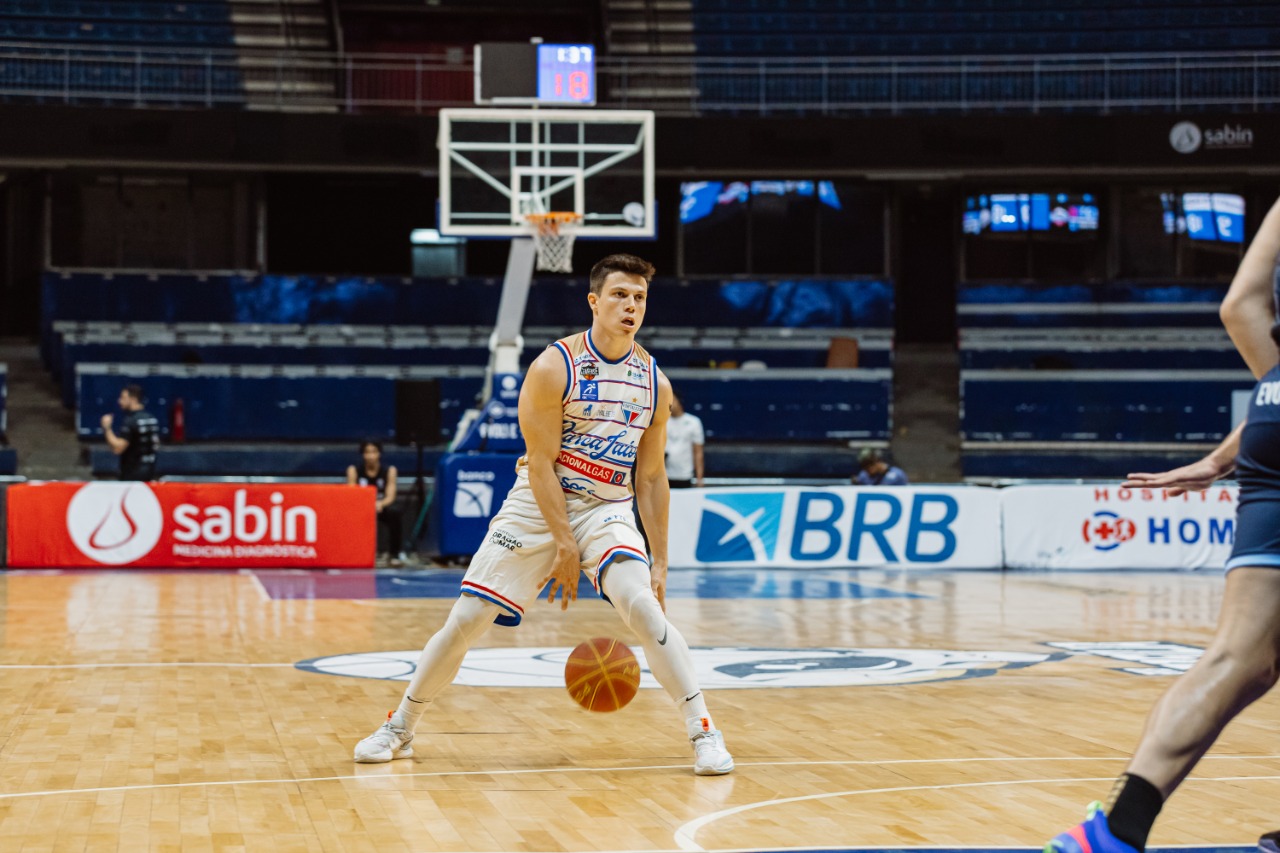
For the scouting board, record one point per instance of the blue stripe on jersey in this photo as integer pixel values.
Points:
(568, 368)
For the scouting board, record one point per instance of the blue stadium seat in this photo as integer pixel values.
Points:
(223, 403)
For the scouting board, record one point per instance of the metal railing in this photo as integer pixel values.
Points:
(424, 83)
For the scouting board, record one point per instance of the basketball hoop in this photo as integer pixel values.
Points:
(553, 235)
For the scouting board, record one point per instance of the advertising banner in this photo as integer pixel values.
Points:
(470, 489)
(190, 525)
(1105, 527)
(842, 526)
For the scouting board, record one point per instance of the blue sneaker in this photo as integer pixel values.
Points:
(1269, 843)
(1092, 836)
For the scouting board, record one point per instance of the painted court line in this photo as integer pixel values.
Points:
(683, 765)
(685, 835)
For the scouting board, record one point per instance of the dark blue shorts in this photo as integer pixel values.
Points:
(1258, 472)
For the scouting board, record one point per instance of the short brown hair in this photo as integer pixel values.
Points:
(135, 391)
(629, 264)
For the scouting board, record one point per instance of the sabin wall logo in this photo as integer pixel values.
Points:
(115, 523)
(739, 527)
(1187, 137)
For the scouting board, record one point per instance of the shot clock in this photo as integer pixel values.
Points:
(532, 73)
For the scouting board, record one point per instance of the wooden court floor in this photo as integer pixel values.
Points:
(869, 710)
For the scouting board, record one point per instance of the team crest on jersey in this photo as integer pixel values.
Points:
(632, 411)
(717, 668)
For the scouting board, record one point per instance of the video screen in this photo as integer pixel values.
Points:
(1008, 213)
(1210, 217)
(699, 199)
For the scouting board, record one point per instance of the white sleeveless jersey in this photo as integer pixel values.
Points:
(607, 407)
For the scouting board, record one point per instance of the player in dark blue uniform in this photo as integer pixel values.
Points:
(1243, 661)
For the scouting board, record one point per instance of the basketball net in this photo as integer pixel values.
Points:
(553, 235)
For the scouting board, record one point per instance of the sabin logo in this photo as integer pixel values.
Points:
(739, 527)
(1185, 137)
(115, 523)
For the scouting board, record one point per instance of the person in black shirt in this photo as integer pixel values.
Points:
(136, 440)
(371, 473)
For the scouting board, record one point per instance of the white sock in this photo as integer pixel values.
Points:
(442, 656)
(627, 585)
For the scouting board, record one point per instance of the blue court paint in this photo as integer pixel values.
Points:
(771, 584)
(1223, 849)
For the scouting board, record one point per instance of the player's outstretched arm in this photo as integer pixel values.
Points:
(1248, 311)
(541, 411)
(653, 492)
(1196, 476)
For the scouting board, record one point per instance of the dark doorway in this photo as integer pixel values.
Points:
(925, 273)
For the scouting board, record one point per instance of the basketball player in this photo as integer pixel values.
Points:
(593, 410)
(1243, 660)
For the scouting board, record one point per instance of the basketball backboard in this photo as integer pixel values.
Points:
(497, 166)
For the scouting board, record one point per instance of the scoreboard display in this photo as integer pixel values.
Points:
(531, 73)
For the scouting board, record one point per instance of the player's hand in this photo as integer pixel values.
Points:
(106, 422)
(658, 582)
(564, 575)
(1189, 478)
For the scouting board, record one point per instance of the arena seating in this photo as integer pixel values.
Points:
(413, 346)
(859, 28)
(1057, 380)
(87, 46)
(266, 403)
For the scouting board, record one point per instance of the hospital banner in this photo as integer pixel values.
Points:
(1107, 527)
(190, 525)
(841, 526)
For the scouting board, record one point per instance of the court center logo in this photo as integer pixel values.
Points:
(1107, 531)
(115, 523)
(1185, 137)
(717, 668)
(739, 527)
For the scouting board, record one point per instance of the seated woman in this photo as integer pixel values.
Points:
(372, 473)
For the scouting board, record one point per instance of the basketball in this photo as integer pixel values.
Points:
(602, 674)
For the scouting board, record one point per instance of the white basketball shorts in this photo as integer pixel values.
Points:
(518, 549)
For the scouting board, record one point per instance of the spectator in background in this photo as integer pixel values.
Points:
(136, 440)
(371, 473)
(684, 447)
(877, 472)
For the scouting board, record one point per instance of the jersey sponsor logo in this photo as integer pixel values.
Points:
(717, 668)
(474, 498)
(1106, 530)
(588, 371)
(1268, 393)
(588, 389)
(599, 473)
(505, 540)
(610, 448)
(115, 523)
(739, 527)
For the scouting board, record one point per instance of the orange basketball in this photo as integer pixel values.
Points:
(602, 674)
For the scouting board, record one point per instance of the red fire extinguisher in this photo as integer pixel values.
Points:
(178, 427)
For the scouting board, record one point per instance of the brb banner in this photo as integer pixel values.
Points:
(1105, 527)
(190, 525)
(794, 527)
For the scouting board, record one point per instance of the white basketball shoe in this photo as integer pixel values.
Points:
(710, 756)
(387, 743)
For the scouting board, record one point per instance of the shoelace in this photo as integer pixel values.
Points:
(705, 740)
